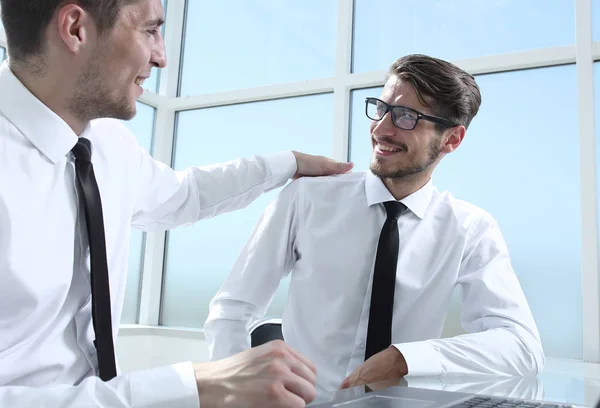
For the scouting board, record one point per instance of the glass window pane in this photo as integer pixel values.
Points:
(456, 29)
(527, 176)
(596, 20)
(199, 257)
(597, 117)
(243, 44)
(142, 126)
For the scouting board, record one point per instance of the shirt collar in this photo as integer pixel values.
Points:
(39, 124)
(417, 202)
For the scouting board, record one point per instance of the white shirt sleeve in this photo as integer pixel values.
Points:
(502, 336)
(267, 257)
(168, 198)
(166, 387)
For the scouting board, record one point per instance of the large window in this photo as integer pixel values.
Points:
(200, 257)
(242, 44)
(142, 125)
(456, 29)
(524, 160)
(520, 162)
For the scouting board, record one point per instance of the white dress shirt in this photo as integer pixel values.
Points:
(325, 231)
(47, 356)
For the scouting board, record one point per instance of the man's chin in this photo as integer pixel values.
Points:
(130, 114)
(129, 110)
(124, 112)
(387, 171)
(382, 169)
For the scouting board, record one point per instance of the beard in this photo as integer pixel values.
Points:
(92, 98)
(412, 168)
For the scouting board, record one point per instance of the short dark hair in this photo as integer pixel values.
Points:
(26, 20)
(449, 91)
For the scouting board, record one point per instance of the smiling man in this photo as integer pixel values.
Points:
(374, 257)
(73, 181)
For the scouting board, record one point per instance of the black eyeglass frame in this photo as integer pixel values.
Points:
(420, 116)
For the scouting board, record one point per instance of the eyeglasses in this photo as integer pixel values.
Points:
(402, 117)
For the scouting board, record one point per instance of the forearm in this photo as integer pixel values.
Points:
(157, 388)
(497, 351)
(171, 199)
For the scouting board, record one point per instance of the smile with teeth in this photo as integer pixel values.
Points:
(387, 148)
(139, 81)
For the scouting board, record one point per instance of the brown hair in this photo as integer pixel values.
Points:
(26, 20)
(450, 92)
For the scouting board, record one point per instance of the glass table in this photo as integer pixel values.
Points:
(555, 387)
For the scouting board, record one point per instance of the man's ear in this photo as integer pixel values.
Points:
(453, 137)
(74, 27)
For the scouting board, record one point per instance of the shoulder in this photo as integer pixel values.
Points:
(465, 215)
(321, 191)
(315, 187)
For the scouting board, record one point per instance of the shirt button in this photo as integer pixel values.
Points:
(362, 345)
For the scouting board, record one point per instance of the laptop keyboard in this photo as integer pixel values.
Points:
(491, 402)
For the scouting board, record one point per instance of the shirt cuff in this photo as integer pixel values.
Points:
(171, 386)
(421, 358)
(283, 167)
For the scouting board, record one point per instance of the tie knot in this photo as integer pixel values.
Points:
(394, 209)
(83, 150)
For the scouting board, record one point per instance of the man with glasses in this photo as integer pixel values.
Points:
(374, 257)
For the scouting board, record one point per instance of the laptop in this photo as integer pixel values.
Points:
(407, 397)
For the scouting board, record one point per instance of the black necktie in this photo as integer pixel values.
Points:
(379, 333)
(101, 316)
